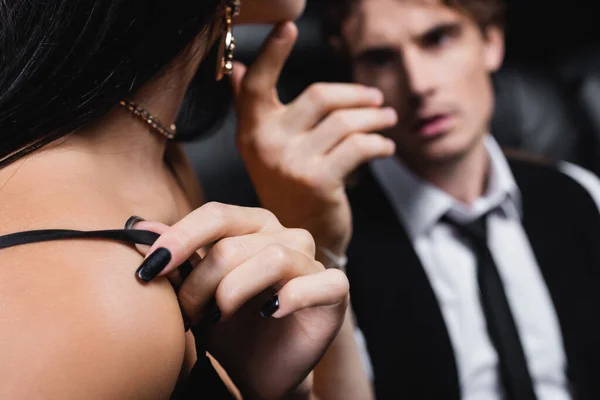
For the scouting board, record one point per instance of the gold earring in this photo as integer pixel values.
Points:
(227, 45)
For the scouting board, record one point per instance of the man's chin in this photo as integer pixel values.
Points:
(431, 153)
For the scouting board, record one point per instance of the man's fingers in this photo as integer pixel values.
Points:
(357, 149)
(339, 124)
(260, 81)
(320, 99)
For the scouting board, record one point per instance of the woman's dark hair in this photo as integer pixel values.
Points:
(66, 63)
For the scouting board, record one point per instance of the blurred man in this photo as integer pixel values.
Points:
(472, 275)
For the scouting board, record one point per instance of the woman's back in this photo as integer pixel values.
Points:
(74, 318)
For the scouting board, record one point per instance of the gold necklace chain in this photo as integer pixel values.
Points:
(168, 132)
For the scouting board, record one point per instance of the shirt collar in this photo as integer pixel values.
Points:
(420, 205)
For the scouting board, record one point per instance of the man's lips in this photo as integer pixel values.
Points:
(433, 125)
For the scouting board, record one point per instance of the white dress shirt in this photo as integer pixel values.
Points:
(450, 266)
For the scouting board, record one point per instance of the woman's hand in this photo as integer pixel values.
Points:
(298, 155)
(277, 309)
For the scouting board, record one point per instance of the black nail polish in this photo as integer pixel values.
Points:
(132, 221)
(154, 264)
(270, 307)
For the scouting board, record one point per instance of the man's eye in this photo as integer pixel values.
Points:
(438, 36)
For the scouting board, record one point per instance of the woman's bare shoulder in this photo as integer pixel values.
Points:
(76, 323)
(74, 320)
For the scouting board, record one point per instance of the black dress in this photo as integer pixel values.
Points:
(203, 381)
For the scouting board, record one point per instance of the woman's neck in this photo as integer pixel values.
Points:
(127, 140)
(123, 142)
(120, 158)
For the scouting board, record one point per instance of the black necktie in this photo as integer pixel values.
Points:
(500, 323)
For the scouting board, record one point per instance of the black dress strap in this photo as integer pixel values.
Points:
(131, 236)
(121, 235)
(203, 381)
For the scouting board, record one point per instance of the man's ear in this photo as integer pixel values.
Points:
(493, 48)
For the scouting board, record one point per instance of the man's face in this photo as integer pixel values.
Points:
(433, 65)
